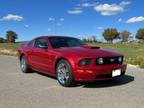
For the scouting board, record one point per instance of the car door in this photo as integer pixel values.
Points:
(40, 55)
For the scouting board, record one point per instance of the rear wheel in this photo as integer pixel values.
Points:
(23, 65)
(64, 74)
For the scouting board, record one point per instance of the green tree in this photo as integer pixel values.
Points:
(2, 40)
(94, 38)
(110, 34)
(11, 36)
(125, 36)
(140, 34)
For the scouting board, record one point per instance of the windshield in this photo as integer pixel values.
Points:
(58, 42)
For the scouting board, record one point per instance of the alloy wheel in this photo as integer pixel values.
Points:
(63, 73)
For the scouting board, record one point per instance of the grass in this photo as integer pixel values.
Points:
(9, 48)
(134, 52)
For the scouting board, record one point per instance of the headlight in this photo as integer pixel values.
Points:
(85, 62)
(100, 61)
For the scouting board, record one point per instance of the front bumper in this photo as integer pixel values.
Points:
(89, 74)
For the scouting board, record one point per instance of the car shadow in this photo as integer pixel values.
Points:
(110, 83)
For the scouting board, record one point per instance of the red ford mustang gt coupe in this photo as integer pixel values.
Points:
(70, 60)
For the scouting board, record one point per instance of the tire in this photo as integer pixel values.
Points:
(23, 65)
(64, 74)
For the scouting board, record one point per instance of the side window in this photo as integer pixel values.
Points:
(40, 41)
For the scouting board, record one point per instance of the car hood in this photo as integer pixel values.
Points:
(88, 51)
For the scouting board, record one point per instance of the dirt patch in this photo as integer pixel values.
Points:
(8, 52)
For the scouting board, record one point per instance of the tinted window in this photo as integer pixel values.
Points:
(41, 41)
(58, 42)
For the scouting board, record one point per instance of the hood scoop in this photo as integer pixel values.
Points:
(91, 47)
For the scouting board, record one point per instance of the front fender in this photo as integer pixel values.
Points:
(70, 60)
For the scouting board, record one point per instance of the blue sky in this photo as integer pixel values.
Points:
(79, 18)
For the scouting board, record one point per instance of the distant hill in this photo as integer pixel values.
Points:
(22, 42)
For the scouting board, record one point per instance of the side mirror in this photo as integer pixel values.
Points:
(43, 46)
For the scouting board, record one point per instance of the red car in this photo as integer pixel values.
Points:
(70, 60)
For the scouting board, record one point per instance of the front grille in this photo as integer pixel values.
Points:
(110, 60)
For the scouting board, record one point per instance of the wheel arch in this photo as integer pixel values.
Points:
(21, 55)
(63, 58)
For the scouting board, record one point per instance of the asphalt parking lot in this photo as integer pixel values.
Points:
(33, 90)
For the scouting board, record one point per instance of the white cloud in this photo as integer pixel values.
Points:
(123, 3)
(26, 26)
(135, 19)
(109, 9)
(58, 24)
(75, 11)
(12, 17)
(51, 19)
(120, 20)
(105, 9)
(49, 29)
(62, 19)
(100, 28)
(87, 4)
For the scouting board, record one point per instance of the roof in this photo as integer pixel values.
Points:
(48, 36)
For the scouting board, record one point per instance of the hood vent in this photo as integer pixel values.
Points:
(91, 47)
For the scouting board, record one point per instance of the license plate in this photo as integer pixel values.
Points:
(116, 72)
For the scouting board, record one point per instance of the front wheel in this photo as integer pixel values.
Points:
(23, 65)
(64, 74)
